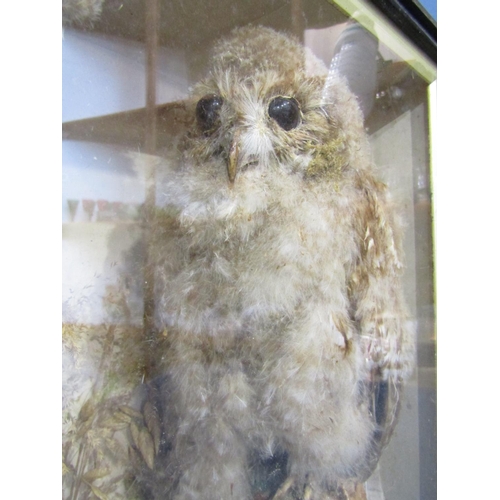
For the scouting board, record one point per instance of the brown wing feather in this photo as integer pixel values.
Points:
(379, 310)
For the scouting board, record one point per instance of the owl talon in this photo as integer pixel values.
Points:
(290, 489)
(307, 492)
(284, 489)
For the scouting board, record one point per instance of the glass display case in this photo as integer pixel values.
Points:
(130, 71)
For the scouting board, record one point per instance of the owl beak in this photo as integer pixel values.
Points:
(233, 158)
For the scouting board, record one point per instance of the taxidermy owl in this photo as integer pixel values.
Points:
(277, 262)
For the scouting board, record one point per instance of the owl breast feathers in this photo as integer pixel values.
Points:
(278, 281)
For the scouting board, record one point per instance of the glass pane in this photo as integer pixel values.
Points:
(247, 311)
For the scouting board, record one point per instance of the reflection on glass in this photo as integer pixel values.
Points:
(116, 440)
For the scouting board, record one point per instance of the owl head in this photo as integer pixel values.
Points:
(267, 121)
(266, 113)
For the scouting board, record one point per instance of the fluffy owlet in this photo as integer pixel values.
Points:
(277, 262)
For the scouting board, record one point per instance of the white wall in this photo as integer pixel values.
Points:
(102, 75)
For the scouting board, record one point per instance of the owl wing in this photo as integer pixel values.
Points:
(378, 308)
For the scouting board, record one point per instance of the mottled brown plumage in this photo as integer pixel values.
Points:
(277, 258)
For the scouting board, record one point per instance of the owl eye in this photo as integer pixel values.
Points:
(286, 111)
(207, 111)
